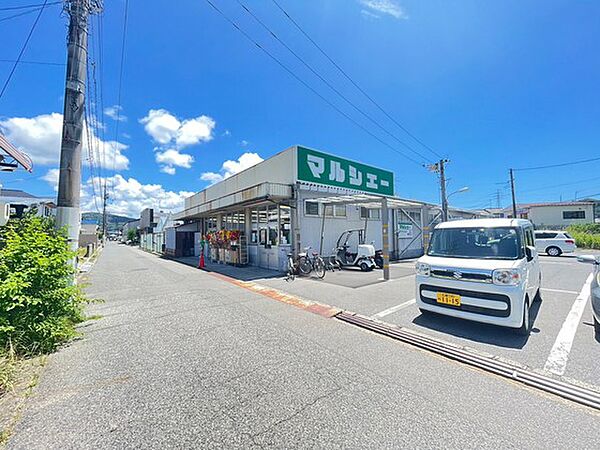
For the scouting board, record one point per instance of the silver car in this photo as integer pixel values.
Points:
(595, 289)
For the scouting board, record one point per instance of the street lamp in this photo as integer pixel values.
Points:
(462, 189)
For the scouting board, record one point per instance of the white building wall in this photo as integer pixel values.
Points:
(310, 226)
(277, 169)
(552, 216)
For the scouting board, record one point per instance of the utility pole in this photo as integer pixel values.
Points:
(104, 200)
(443, 189)
(440, 167)
(69, 180)
(512, 188)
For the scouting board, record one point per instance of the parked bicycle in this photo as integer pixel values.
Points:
(305, 264)
(311, 262)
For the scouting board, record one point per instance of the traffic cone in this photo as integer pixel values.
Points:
(201, 262)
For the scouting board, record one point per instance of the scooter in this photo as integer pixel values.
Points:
(364, 255)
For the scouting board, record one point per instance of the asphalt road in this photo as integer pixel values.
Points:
(562, 281)
(182, 359)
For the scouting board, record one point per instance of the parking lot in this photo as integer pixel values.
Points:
(393, 302)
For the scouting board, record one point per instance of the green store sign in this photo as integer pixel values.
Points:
(321, 168)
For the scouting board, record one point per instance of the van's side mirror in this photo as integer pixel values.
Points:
(590, 259)
(529, 252)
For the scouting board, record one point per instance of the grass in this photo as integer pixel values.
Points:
(8, 369)
(21, 377)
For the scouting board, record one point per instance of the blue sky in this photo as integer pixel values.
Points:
(490, 85)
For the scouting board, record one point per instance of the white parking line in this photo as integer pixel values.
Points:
(393, 309)
(557, 360)
(562, 291)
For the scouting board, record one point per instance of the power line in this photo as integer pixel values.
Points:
(10, 75)
(356, 85)
(119, 93)
(300, 80)
(560, 185)
(42, 63)
(31, 11)
(13, 8)
(558, 165)
(333, 88)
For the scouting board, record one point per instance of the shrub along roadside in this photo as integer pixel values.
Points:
(39, 305)
(586, 236)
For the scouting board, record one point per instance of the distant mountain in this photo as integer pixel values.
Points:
(113, 222)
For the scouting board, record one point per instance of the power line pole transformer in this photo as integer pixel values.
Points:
(69, 181)
(512, 188)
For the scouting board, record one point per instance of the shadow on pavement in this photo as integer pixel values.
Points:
(478, 332)
(246, 273)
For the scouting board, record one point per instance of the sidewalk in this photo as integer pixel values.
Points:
(247, 273)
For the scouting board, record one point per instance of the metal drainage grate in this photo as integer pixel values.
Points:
(577, 394)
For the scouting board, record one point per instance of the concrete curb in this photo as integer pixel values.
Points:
(320, 309)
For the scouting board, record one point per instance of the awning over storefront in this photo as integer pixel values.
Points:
(368, 201)
(236, 200)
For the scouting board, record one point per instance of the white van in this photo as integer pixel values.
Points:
(486, 270)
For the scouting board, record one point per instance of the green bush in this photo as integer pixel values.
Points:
(586, 236)
(589, 228)
(39, 305)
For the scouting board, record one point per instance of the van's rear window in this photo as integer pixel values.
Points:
(479, 243)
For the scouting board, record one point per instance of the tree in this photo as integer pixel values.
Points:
(132, 235)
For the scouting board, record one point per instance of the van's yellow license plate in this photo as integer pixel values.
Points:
(448, 299)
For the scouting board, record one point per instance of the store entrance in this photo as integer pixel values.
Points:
(270, 235)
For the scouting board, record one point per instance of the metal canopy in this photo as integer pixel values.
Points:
(370, 201)
(367, 201)
(17, 156)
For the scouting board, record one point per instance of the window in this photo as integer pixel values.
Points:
(254, 226)
(285, 225)
(544, 235)
(335, 210)
(573, 215)
(340, 210)
(311, 208)
(262, 226)
(373, 214)
(273, 215)
(480, 243)
(529, 237)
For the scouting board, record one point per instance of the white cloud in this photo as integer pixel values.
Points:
(390, 7)
(161, 125)
(51, 178)
(171, 158)
(230, 167)
(173, 135)
(170, 170)
(194, 131)
(129, 197)
(165, 128)
(115, 113)
(244, 143)
(40, 138)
